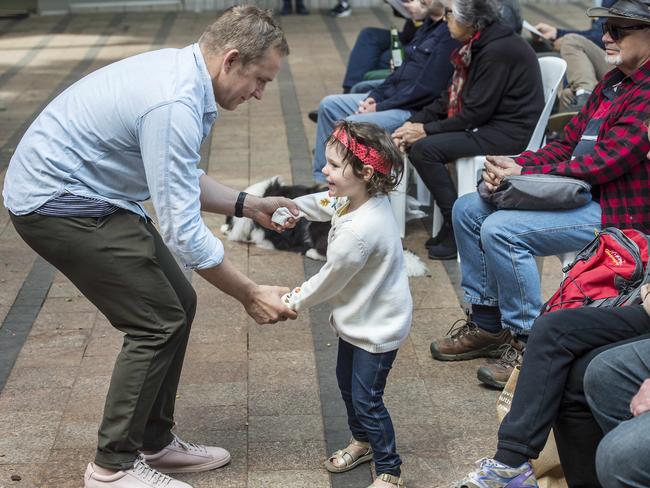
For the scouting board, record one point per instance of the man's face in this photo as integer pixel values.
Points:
(237, 83)
(632, 48)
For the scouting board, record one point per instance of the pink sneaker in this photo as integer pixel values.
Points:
(184, 457)
(139, 476)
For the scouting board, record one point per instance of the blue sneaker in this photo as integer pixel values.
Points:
(493, 474)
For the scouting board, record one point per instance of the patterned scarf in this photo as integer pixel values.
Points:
(461, 59)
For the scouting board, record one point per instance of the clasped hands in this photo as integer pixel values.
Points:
(496, 169)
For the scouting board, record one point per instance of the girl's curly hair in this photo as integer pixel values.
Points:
(374, 137)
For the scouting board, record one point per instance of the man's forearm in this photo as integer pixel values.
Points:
(219, 198)
(229, 280)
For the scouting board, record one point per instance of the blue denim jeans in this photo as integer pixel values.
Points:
(612, 379)
(362, 377)
(371, 51)
(497, 249)
(333, 108)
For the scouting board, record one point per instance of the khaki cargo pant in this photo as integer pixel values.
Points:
(120, 263)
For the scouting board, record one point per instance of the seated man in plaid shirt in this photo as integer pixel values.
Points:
(605, 144)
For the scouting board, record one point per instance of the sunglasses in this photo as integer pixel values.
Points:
(617, 32)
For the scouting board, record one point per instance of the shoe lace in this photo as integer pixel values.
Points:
(148, 474)
(188, 446)
(461, 328)
(510, 356)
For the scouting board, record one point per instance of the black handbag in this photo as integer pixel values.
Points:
(537, 192)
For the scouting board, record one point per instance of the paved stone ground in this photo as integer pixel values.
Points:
(264, 392)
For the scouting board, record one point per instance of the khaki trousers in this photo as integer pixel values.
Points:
(120, 263)
(586, 66)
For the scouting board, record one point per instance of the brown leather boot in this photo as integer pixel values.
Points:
(495, 373)
(467, 341)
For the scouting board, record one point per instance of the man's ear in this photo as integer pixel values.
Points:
(367, 172)
(230, 59)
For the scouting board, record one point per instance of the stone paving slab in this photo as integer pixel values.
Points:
(256, 390)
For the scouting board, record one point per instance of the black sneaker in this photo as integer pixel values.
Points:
(313, 116)
(342, 9)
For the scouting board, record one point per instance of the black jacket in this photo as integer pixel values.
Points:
(502, 98)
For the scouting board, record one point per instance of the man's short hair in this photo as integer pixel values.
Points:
(249, 29)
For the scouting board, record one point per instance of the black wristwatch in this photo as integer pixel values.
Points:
(239, 204)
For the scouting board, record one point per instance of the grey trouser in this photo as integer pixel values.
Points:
(586, 65)
(612, 379)
(120, 263)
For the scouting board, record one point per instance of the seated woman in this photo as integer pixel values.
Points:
(491, 106)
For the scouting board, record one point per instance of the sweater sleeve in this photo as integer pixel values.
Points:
(346, 256)
(480, 99)
(432, 80)
(318, 207)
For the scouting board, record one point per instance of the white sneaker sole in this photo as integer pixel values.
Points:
(197, 468)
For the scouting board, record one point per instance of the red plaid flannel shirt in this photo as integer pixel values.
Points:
(619, 164)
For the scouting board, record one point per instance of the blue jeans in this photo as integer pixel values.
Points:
(497, 249)
(362, 378)
(366, 86)
(371, 51)
(333, 108)
(612, 379)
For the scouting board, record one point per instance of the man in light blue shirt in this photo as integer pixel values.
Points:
(123, 134)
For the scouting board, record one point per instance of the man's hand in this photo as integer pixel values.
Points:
(641, 401)
(490, 180)
(548, 31)
(367, 106)
(261, 210)
(645, 296)
(498, 167)
(409, 133)
(417, 10)
(263, 304)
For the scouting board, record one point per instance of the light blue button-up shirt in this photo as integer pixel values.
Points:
(127, 132)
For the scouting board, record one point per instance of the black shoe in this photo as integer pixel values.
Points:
(313, 115)
(445, 249)
(286, 9)
(341, 10)
(301, 9)
(439, 237)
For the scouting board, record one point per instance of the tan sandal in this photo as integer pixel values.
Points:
(348, 460)
(389, 478)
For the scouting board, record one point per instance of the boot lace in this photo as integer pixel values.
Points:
(150, 475)
(462, 327)
(510, 356)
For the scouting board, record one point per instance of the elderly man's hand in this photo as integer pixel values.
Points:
(265, 306)
(409, 133)
(548, 31)
(367, 106)
(499, 167)
(263, 208)
(641, 401)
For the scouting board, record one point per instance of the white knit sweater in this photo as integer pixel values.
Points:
(364, 277)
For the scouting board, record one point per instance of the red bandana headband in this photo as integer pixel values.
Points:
(367, 155)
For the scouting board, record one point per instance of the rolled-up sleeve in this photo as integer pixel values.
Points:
(170, 139)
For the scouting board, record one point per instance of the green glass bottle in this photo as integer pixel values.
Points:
(396, 48)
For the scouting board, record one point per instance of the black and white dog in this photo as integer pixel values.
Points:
(308, 238)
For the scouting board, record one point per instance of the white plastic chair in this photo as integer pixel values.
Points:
(467, 169)
(398, 196)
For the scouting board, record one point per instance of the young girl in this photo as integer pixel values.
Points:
(365, 280)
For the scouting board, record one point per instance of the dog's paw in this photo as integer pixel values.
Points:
(225, 228)
(315, 255)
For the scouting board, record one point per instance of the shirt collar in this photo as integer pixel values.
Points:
(209, 103)
(641, 74)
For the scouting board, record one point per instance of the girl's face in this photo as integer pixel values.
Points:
(341, 180)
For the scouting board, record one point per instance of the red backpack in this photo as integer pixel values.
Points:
(608, 272)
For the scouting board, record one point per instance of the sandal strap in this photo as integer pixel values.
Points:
(355, 442)
(389, 478)
(347, 457)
